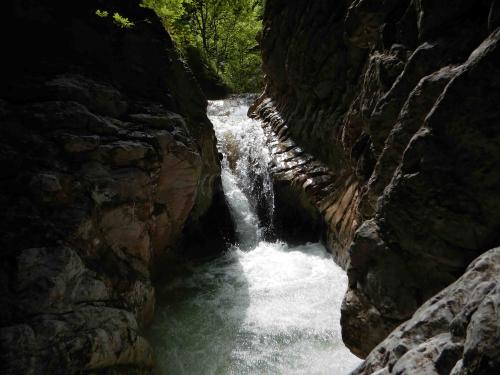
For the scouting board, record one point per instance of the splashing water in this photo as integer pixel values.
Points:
(244, 168)
(262, 308)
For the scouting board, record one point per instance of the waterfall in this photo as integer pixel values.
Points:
(264, 307)
(245, 174)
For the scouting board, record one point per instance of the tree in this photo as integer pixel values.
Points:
(224, 30)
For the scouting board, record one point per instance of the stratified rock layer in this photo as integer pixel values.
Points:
(106, 153)
(385, 122)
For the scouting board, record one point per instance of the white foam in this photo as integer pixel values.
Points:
(263, 308)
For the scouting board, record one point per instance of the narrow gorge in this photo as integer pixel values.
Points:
(265, 307)
(346, 220)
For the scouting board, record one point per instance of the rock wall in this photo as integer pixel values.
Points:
(455, 332)
(107, 156)
(384, 120)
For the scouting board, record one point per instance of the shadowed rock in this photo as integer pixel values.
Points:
(455, 332)
(108, 158)
(386, 131)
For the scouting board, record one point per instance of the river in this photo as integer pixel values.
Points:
(263, 307)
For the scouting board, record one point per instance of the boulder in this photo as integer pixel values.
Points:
(455, 332)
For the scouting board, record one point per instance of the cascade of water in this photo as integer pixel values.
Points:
(246, 179)
(263, 307)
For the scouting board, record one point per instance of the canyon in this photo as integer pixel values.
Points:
(382, 123)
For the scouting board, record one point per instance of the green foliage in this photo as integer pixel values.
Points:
(101, 13)
(121, 21)
(225, 32)
(118, 19)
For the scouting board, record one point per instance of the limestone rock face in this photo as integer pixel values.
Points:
(455, 332)
(107, 158)
(383, 120)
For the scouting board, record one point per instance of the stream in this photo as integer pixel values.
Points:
(263, 307)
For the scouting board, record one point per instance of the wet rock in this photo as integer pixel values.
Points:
(309, 197)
